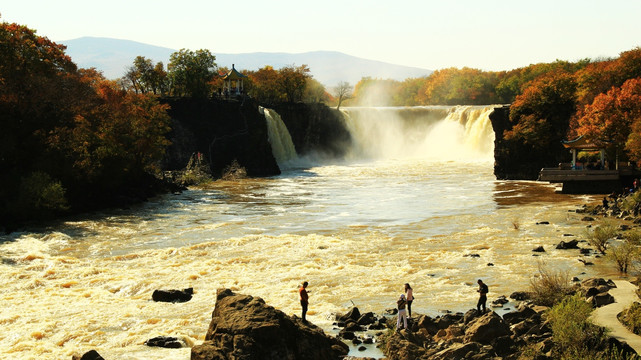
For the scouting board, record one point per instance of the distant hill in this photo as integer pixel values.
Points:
(114, 56)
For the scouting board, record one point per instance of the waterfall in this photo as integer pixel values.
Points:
(424, 132)
(282, 145)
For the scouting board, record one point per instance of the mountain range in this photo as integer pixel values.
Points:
(114, 56)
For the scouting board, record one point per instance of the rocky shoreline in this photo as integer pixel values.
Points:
(244, 327)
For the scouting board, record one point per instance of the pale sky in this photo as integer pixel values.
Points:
(483, 34)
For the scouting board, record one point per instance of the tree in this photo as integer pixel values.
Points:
(613, 119)
(315, 91)
(292, 81)
(263, 85)
(542, 113)
(601, 235)
(191, 72)
(342, 91)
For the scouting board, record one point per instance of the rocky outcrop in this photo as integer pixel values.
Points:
(486, 336)
(514, 160)
(315, 128)
(246, 328)
(222, 131)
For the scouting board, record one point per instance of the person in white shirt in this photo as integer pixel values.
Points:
(402, 313)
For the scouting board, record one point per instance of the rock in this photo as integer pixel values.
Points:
(89, 355)
(593, 283)
(354, 314)
(486, 328)
(587, 218)
(602, 299)
(543, 223)
(501, 300)
(353, 326)
(585, 251)
(173, 295)
(503, 345)
(538, 249)
(521, 314)
(346, 334)
(457, 351)
(367, 319)
(520, 295)
(572, 244)
(165, 342)
(244, 327)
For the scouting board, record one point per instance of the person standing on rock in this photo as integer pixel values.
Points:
(482, 296)
(402, 313)
(409, 295)
(304, 299)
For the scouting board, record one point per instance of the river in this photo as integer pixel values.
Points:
(414, 200)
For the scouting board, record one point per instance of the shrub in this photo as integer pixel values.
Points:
(574, 335)
(549, 287)
(623, 253)
(600, 236)
(631, 318)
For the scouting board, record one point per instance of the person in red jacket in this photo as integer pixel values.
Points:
(304, 299)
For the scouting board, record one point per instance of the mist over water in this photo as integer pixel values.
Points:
(432, 132)
(413, 201)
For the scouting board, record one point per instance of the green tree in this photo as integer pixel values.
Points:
(190, 72)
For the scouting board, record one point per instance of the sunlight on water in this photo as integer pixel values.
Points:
(356, 230)
(356, 233)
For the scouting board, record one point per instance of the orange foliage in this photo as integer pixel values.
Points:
(613, 119)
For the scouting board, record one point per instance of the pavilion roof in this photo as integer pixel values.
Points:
(233, 74)
(581, 143)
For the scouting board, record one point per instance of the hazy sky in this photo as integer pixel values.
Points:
(485, 34)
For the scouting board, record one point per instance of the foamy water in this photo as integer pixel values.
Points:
(357, 233)
(395, 211)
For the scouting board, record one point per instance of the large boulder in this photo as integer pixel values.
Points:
(245, 328)
(486, 328)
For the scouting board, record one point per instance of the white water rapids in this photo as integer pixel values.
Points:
(412, 201)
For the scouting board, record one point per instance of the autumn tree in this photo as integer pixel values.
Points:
(464, 86)
(541, 114)
(314, 91)
(264, 85)
(67, 136)
(35, 93)
(613, 119)
(190, 72)
(292, 80)
(342, 91)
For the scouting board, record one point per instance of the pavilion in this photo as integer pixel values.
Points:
(233, 82)
(581, 144)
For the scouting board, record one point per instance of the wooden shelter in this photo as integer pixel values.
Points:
(233, 82)
(581, 144)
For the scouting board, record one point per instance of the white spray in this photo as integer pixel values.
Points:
(440, 133)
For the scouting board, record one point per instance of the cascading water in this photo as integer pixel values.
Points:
(282, 145)
(430, 132)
